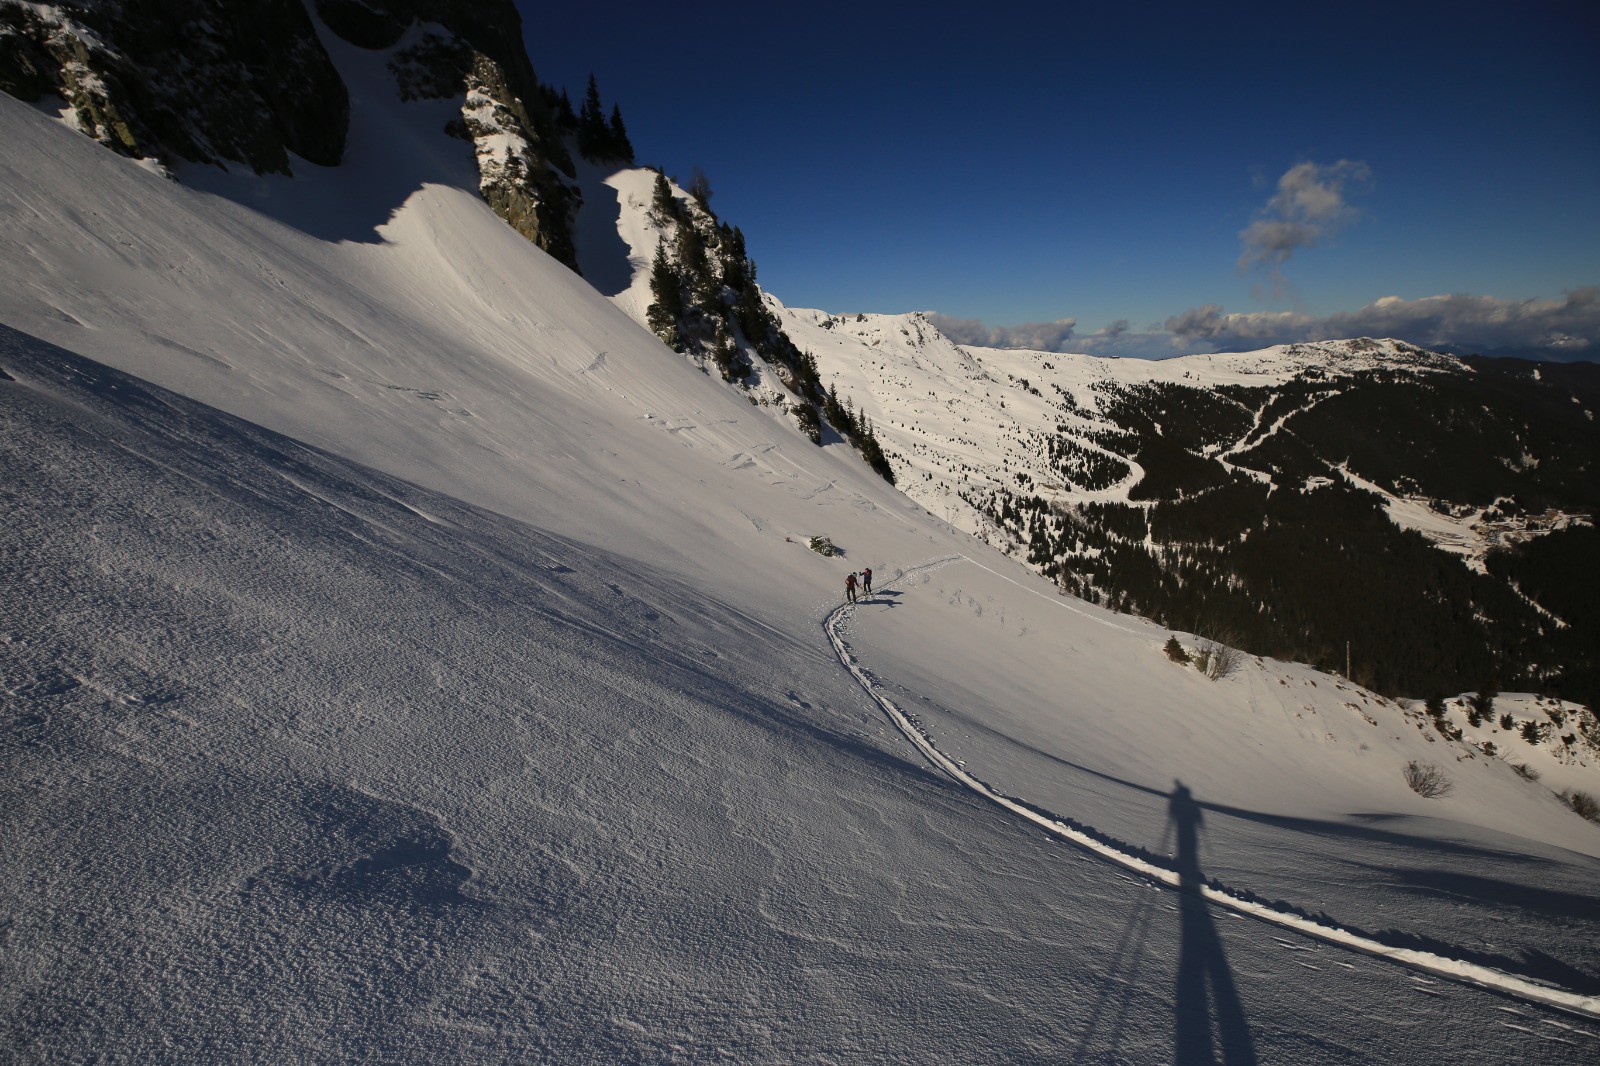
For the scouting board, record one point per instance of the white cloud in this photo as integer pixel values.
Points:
(1569, 326)
(1309, 205)
(1033, 336)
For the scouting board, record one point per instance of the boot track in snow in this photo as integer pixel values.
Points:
(1090, 839)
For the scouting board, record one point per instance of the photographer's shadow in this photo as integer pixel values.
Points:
(1211, 1026)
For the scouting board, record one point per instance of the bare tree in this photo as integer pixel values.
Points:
(1582, 804)
(1217, 660)
(700, 187)
(1427, 780)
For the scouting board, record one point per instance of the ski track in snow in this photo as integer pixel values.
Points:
(1059, 603)
(1455, 969)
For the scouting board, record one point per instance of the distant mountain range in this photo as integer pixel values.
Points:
(1529, 353)
(1427, 518)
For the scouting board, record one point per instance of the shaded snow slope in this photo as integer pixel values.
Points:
(1184, 814)
(469, 699)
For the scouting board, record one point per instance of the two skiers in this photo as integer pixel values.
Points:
(850, 583)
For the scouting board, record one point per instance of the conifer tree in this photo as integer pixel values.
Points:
(700, 188)
(621, 147)
(593, 133)
(695, 266)
(752, 318)
(661, 199)
(666, 307)
(733, 273)
(809, 423)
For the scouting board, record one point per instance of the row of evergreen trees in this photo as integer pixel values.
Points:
(598, 137)
(705, 303)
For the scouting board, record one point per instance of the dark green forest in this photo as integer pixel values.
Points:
(1284, 555)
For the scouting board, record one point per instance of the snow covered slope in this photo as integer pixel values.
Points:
(407, 657)
(959, 418)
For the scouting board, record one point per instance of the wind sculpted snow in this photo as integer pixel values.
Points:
(405, 657)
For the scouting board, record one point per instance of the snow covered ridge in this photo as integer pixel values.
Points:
(1244, 485)
(685, 275)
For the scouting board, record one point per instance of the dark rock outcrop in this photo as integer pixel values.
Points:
(216, 81)
(523, 163)
(249, 82)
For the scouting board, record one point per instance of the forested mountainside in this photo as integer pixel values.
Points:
(1422, 520)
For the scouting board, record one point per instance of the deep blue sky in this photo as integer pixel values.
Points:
(1021, 163)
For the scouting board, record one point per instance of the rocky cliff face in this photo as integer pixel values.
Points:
(474, 51)
(248, 82)
(213, 81)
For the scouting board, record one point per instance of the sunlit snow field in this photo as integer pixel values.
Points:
(405, 657)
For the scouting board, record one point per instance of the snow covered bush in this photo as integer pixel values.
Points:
(821, 545)
(1175, 651)
(1427, 780)
(1526, 772)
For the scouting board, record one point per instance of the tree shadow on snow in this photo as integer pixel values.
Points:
(1364, 828)
(1457, 886)
(602, 253)
(1558, 908)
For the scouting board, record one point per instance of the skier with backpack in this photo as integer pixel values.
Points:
(850, 586)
